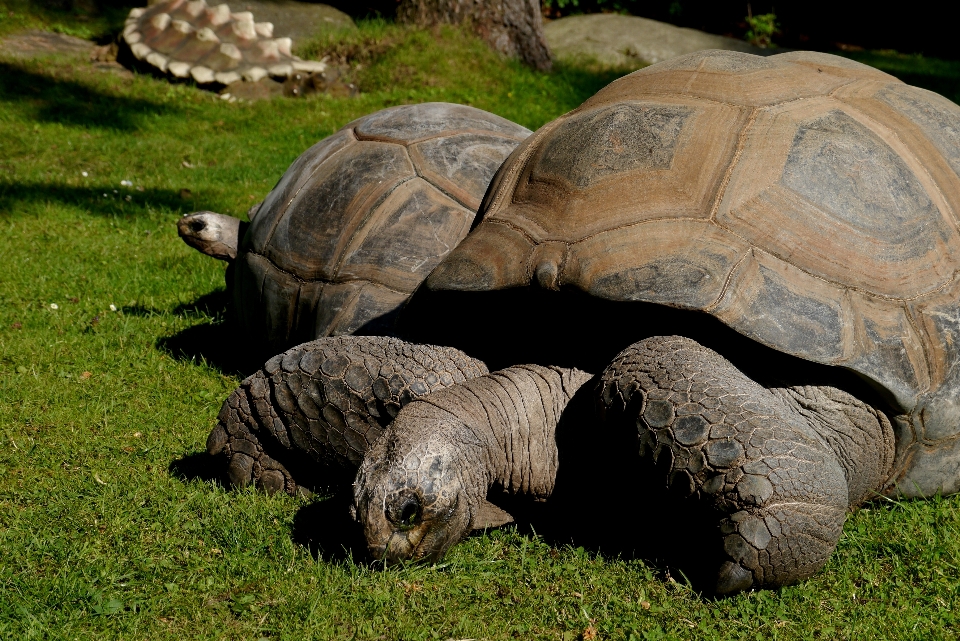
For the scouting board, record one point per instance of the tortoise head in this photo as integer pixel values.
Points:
(416, 494)
(412, 502)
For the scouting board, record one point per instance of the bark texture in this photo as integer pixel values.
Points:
(512, 27)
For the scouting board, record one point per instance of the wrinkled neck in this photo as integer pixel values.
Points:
(508, 420)
(859, 435)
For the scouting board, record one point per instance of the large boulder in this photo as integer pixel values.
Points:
(630, 41)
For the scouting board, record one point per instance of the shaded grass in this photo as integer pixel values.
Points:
(941, 76)
(109, 524)
(91, 19)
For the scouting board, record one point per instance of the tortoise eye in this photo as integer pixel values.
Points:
(408, 513)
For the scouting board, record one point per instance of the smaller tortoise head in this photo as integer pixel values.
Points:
(415, 495)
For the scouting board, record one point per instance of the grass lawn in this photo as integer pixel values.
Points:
(108, 531)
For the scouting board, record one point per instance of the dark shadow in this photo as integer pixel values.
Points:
(325, 528)
(607, 501)
(217, 345)
(107, 16)
(573, 329)
(198, 466)
(214, 305)
(54, 99)
(359, 9)
(91, 199)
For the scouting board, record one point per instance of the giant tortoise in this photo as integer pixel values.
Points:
(357, 222)
(777, 238)
(809, 203)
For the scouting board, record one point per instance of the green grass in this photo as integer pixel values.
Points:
(108, 530)
(91, 19)
(942, 76)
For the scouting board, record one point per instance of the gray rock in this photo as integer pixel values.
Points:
(630, 41)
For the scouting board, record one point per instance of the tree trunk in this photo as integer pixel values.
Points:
(512, 27)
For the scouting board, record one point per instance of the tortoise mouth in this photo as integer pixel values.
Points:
(425, 541)
(406, 547)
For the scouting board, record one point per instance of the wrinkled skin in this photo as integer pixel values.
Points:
(308, 416)
(774, 468)
(423, 486)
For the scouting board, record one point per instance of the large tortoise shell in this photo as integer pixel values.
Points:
(807, 201)
(362, 217)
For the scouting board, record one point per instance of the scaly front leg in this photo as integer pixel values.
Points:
(778, 477)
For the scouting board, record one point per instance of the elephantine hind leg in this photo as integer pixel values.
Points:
(311, 412)
(774, 492)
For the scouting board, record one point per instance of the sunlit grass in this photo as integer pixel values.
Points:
(107, 530)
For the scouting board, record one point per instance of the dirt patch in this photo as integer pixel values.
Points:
(34, 44)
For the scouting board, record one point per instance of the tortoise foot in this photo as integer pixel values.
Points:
(772, 493)
(248, 456)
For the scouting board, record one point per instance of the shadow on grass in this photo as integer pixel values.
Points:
(217, 345)
(92, 199)
(325, 528)
(214, 305)
(59, 100)
(198, 466)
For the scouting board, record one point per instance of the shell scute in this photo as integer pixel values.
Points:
(839, 196)
(604, 143)
(834, 65)
(937, 117)
(461, 164)
(197, 45)
(322, 217)
(915, 116)
(209, 44)
(345, 307)
(259, 281)
(777, 304)
(354, 226)
(886, 348)
(680, 263)
(480, 266)
(550, 208)
(937, 318)
(727, 77)
(431, 119)
(406, 236)
(300, 172)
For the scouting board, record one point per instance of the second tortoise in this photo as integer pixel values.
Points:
(357, 222)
